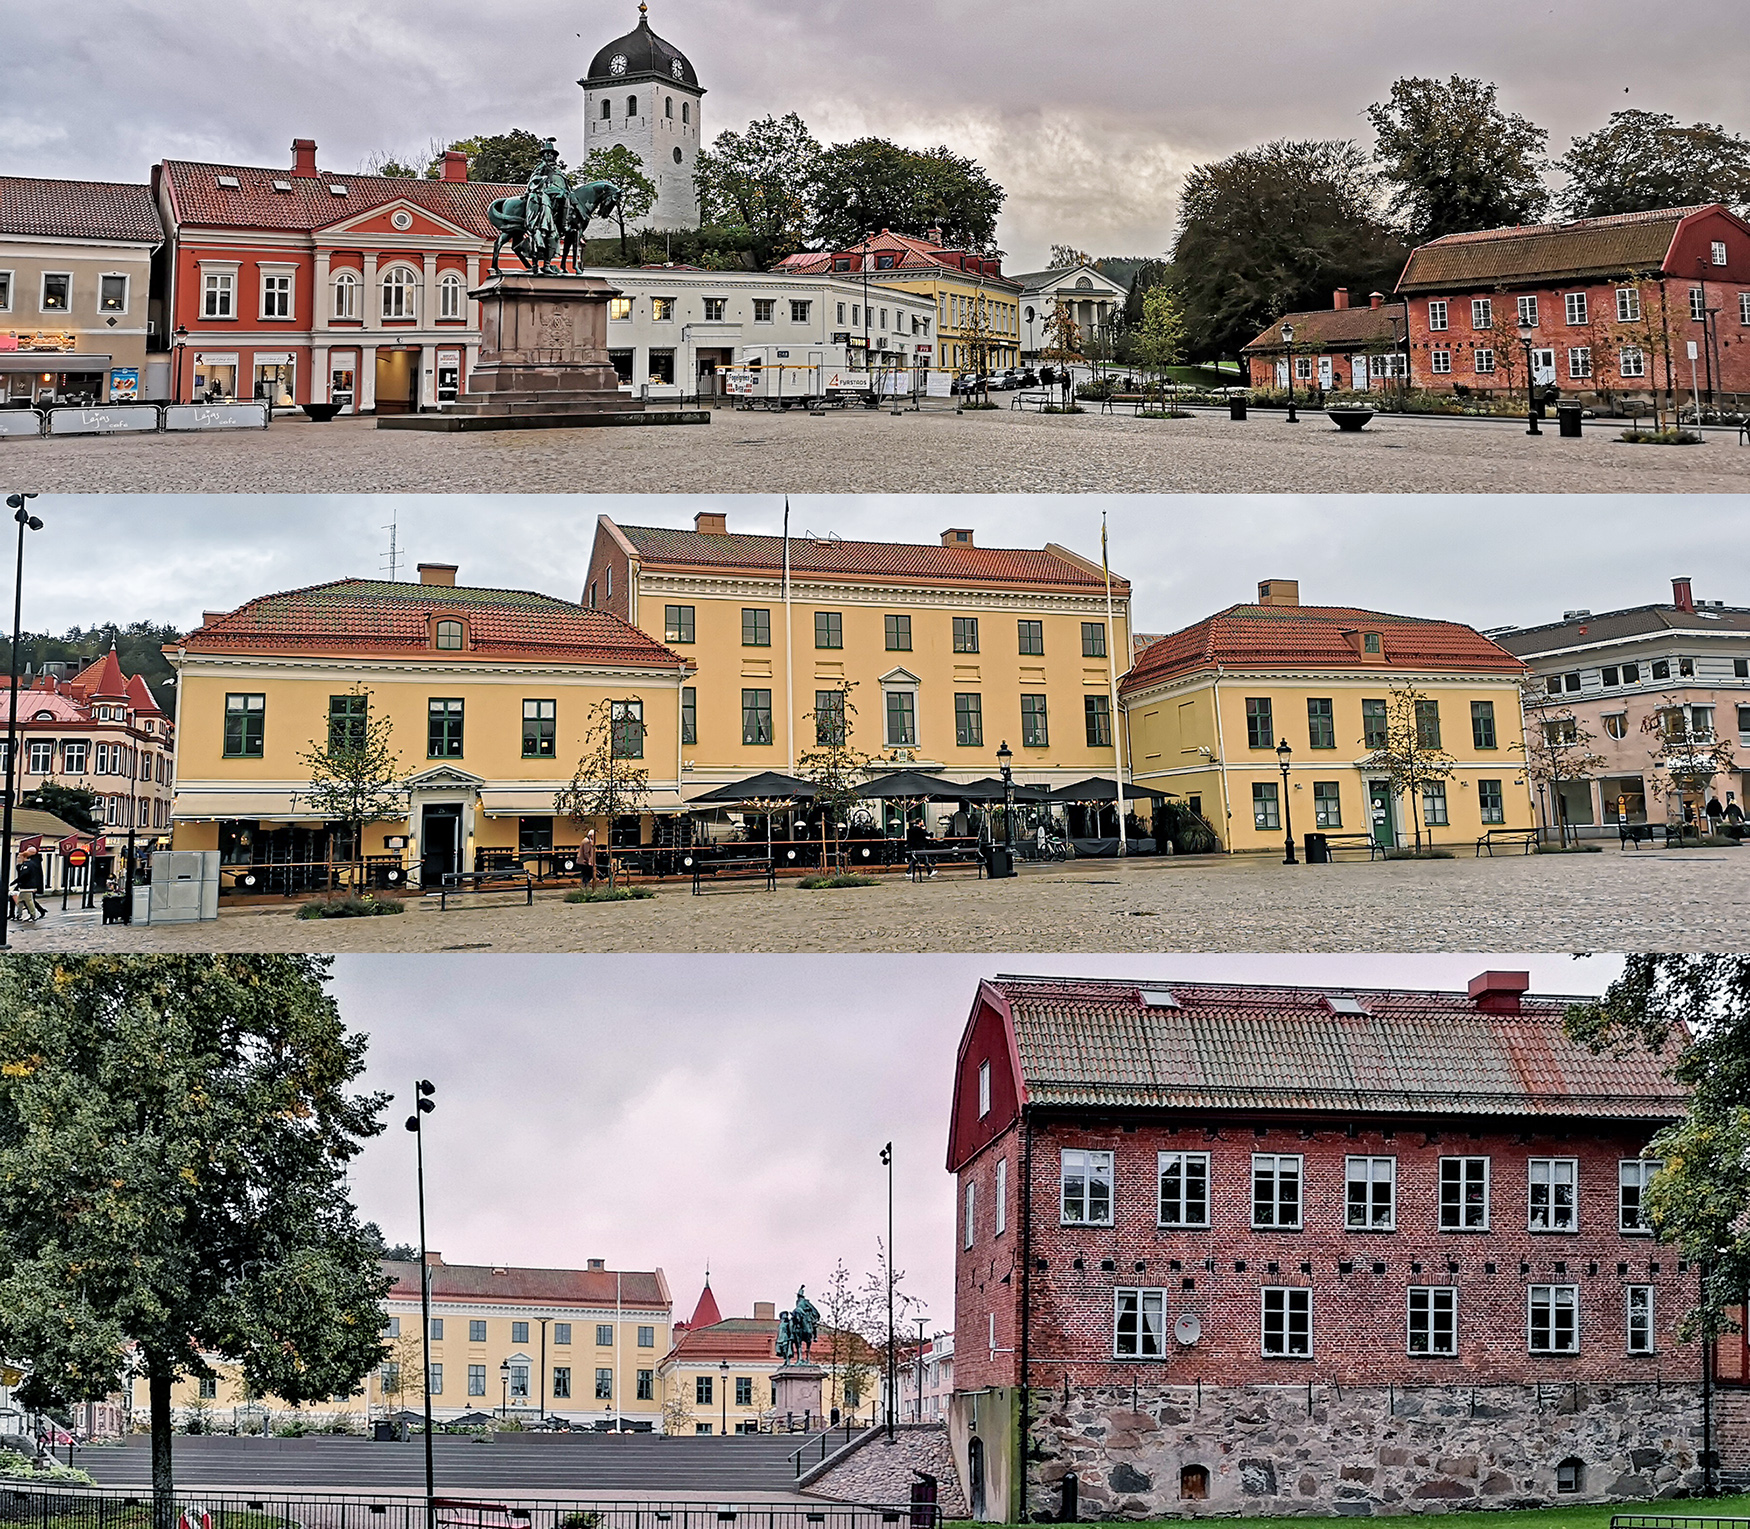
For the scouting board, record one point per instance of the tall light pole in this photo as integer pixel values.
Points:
(1526, 335)
(18, 504)
(423, 1106)
(1005, 763)
(1288, 350)
(1282, 753)
(923, 1322)
(892, 1352)
(723, 1372)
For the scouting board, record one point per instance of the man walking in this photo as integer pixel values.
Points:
(29, 882)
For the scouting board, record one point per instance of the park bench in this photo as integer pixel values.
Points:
(1526, 838)
(1635, 833)
(1035, 401)
(471, 883)
(1357, 841)
(920, 863)
(735, 868)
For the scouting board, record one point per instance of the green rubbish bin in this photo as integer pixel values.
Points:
(1318, 849)
(1568, 420)
(1236, 407)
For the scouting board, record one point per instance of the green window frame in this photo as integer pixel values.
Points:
(1327, 804)
(902, 719)
(1490, 801)
(756, 627)
(540, 729)
(245, 726)
(1093, 639)
(829, 629)
(689, 714)
(1428, 724)
(348, 720)
(1260, 724)
(1030, 636)
(756, 718)
(677, 623)
(1321, 723)
(1375, 725)
(1266, 811)
(1035, 726)
(443, 729)
(626, 729)
(829, 719)
(1097, 711)
(898, 633)
(449, 636)
(966, 634)
(969, 719)
(1482, 724)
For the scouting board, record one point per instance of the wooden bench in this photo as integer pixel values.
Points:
(1036, 401)
(1375, 850)
(738, 868)
(1525, 837)
(923, 863)
(457, 883)
(1636, 834)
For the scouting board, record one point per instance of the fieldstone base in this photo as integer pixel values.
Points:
(1261, 1450)
(875, 1471)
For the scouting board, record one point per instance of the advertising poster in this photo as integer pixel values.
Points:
(124, 384)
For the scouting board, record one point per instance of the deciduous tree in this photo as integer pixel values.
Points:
(1161, 340)
(760, 180)
(608, 783)
(1411, 756)
(625, 169)
(869, 184)
(505, 158)
(73, 805)
(835, 765)
(1642, 160)
(355, 773)
(1557, 746)
(1688, 752)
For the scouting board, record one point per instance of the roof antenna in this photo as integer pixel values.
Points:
(393, 558)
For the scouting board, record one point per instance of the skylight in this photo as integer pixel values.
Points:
(1344, 1003)
(228, 180)
(1159, 998)
(282, 185)
(338, 190)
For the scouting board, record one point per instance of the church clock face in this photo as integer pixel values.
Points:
(676, 70)
(617, 64)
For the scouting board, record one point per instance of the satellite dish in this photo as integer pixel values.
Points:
(1188, 1329)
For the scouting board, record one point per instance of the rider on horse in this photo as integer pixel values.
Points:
(545, 209)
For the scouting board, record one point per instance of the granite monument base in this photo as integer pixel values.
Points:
(796, 1392)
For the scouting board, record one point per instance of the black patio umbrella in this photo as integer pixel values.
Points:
(991, 790)
(1094, 789)
(767, 786)
(910, 786)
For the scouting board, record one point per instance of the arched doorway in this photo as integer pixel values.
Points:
(975, 1476)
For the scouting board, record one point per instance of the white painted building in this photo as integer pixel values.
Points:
(1093, 298)
(642, 92)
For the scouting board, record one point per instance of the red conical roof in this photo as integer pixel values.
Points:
(140, 694)
(706, 1314)
(103, 678)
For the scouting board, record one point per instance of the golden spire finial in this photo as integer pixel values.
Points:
(643, 10)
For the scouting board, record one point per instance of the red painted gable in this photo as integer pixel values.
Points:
(989, 1037)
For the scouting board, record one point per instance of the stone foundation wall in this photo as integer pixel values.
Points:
(1288, 1450)
(879, 1472)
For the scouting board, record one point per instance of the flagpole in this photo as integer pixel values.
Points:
(1112, 678)
(789, 651)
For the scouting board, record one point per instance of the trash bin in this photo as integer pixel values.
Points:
(1236, 408)
(1318, 849)
(383, 1431)
(1568, 418)
(1001, 862)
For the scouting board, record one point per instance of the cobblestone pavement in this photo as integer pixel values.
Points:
(1612, 901)
(935, 451)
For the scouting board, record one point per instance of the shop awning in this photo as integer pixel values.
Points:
(215, 806)
(51, 361)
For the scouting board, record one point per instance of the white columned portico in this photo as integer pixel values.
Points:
(322, 299)
(372, 295)
(321, 379)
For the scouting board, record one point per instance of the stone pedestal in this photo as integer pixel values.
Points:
(797, 1389)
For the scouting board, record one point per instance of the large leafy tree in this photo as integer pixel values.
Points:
(1642, 160)
(73, 805)
(759, 180)
(870, 184)
(503, 158)
(625, 169)
(174, 1140)
(1274, 229)
(1454, 160)
(1694, 1010)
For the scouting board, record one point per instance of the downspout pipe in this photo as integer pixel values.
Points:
(1018, 1495)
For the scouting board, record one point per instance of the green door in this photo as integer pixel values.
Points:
(1379, 807)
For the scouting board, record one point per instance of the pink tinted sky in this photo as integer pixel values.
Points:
(676, 1111)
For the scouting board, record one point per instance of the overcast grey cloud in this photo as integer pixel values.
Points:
(1482, 559)
(1089, 114)
(729, 1110)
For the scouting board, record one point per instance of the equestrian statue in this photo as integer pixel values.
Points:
(797, 1330)
(545, 226)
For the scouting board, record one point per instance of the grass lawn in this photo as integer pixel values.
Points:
(1224, 376)
(1580, 1516)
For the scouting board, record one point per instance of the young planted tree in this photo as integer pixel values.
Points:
(846, 1356)
(978, 334)
(1557, 746)
(1161, 339)
(834, 766)
(174, 1139)
(873, 1308)
(678, 1402)
(1689, 752)
(355, 774)
(607, 782)
(1411, 757)
(1063, 344)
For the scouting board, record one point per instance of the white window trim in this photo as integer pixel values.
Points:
(1111, 1185)
(127, 282)
(1529, 1290)
(42, 293)
(971, 1206)
(1651, 1165)
(1139, 1291)
(1431, 1353)
(1276, 1196)
(1553, 1230)
(7, 288)
(345, 280)
(1488, 1191)
(226, 271)
(1000, 1196)
(902, 681)
(412, 286)
(1628, 1320)
(1263, 1295)
(1184, 1157)
(270, 271)
(1391, 1222)
(451, 281)
(1445, 316)
(984, 1088)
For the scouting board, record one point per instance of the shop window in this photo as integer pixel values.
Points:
(662, 366)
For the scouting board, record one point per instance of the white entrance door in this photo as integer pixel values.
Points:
(1543, 368)
(1325, 373)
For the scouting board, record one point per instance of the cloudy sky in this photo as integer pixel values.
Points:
(596, 1107)
(1089, 114)
(1486, 560)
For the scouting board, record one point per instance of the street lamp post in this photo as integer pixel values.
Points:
(892, 1353)
(923, 1322)
(1526, 335)
(504, 1388)
(19, 505)
(1005, 763)
(423, 1106)
(1288, 348)
(723, 1370)
(181, 341)
(1282, 753)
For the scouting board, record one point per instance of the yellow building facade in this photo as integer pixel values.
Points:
(1208, 708)
(953, 650)
(490, 696)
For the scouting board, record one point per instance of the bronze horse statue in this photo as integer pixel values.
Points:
(509, 220)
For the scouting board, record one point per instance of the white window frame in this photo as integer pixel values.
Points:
(1697, 304)
(1744, 307)
(984, 1088)
(662, 310)
(1628, 305)
(1642, 1296)
(1440, 362)
(9, 284)
(1276, 1162)
(800, 308)
(1000, 1210)
(452, 296)
(1554, 1169)
(1579, 363)
(1644, 1168)
(271, 277)
(73, 754)
(403, 280)
(1482, 313)
(42, 293)
(1631, 361)
(1184, 1161)
(216, 283)
(346, 281)
(1551, 1294)
(1464, 1223)
(1140, 1298)
(1483, 361)
(770, 304)
(127, 290)
(1369, 1177)
(1437, 315)
(1528, 311)
(1575, 308)
(971, 1207)
(1095, 1167)
(40, 748)
(1287, 1303)
(1431, 1297)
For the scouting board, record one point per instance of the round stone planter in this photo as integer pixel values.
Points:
(1350, 419)
(322, 412)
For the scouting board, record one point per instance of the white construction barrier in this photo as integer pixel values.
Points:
(20, 422)
(247, 415)
(105, 419)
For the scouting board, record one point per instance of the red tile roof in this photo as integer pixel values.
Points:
(1042, 567)
(60, 209)
(705, 1312)
(913, 255)
(102, 679)
(374, 616)
(577, 1287)
(1331, 328)
(198, 198)
(1316, 636)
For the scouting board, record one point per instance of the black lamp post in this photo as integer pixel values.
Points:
(423, 1106)
(723, 1370)
(503, 1387)
(1288, 346)
(892, 1351)
(18, 504)
(1526, 335)
(1282, 753)
(923, 1322)
(1005, 763)
(181, 341)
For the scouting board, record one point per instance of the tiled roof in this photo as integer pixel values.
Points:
(374, 616)
(102, 679)
(1315, 636)
(1612, 626)
(1324, 328)
(199, 199)
(1627, 243)
(140, 696)
(482, 1282)
(912, 255)
(57, 209)
(705, 1313)
(1033, 567)
(31, 700)
(1094, 1044)
(27, 822)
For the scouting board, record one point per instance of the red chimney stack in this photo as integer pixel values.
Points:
(1340, 298)
(1499, 992)
(455, 165)
(304, 158)
(1374, 299)
(1681, 596)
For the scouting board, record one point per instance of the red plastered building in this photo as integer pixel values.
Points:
(1197, 1222)
(312, 286)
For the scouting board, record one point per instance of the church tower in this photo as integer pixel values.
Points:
(642, 92)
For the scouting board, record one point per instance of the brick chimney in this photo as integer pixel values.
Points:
(209, 617)
(765, 1311)
(1374, 299)
(712, 522)
(1340, 298)
(304, 158)
(598, 1263)
(957, 536)
(433, 1258)
(1499, 992)
(934, 235)
(1681, 596)
(1279, 591)
(455, 165)
(438, 573)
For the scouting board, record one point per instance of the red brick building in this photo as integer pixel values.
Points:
(1339, 347)
(1270, 1249)
(308, 285)
(1612, 305)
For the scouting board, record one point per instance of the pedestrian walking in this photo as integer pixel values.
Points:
(29, 881)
